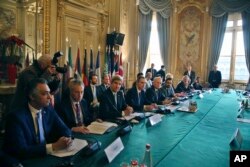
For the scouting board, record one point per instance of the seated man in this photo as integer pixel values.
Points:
(148, 80)
(197, 85)
(36, 129)
(73, 108)
(168, 90)
(112, 102)
(154, 95)
(184, 85)
(136, 97)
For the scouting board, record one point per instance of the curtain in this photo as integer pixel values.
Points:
(146, 8)
(218, 32)
(219, 11)
(246, 35)
(163, 26)
(144, 35)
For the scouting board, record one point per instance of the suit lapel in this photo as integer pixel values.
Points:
(31, 124)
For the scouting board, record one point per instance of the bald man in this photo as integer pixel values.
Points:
(41, 68)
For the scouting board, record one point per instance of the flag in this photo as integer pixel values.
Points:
(69, 63)
(120, 72)
(91, 68)
(111, 59)
(68, 74)
(85, 69)
(106, 63)
(116, 63)
(109, 62)
(97, 68)
(27, 60)
(78, 70)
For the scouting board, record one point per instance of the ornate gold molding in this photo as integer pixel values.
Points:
(46, 20)
(60, 9)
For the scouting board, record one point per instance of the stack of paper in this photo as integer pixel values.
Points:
(100, 127)
(76, 146)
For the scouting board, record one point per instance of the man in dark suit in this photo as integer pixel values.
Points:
(214, 77)
(41, 68)
(136, 97)
(154, 95)
(35, 129)
(190, 73)
(90, 95)
(168, 90)
(73, 108)
(184, 86)
(104, 86)
(152, 70)
(162, 73)
(112, 104)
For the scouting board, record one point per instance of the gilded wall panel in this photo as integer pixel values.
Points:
(190, 36)
(7, 22)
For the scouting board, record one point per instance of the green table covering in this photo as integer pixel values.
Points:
(181, 139)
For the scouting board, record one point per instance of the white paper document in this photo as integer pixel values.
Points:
(100, 127)
(243, 120)
(76, 146)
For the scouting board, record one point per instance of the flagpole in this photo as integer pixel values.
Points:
(127, 74)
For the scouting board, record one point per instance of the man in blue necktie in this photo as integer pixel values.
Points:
(35, 129)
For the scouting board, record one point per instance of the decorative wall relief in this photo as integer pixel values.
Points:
(7, 22)
(190, 38)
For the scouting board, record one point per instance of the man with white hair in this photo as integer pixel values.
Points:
(154, 95)
(184, 85)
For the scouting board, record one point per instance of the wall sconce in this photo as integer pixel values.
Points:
(175, 9)
(207, 8)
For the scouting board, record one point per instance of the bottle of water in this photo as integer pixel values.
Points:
(147, 160)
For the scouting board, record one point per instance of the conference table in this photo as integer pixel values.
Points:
(180, 139)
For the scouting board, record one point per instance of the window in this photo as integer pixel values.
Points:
(232, 62)
(154, 55)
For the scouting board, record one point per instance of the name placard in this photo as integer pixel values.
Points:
(154, 119)
(114, 149)
(236, 140)
(201, 96)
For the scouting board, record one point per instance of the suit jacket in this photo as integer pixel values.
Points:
(88, 95)
(100, 89)
(66, 112)
(20, 136)
(167, 92)
(153, 71)
(108, 109)
(181, 88)
(214, 78)
(191, 76)
(132, 99)
(151, 96)
(162, 74)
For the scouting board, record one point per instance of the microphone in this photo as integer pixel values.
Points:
(126, 126)
(92, 147)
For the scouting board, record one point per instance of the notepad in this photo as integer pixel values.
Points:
(76, 146)
(100, 127)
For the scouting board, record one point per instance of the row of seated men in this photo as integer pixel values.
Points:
(37, 128)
